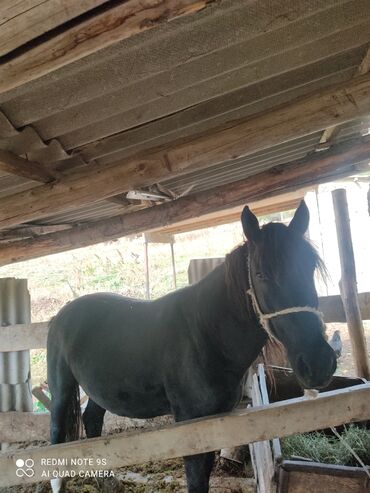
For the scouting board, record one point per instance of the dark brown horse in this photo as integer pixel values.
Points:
(186, 353)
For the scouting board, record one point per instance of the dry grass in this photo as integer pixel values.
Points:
(320, 447)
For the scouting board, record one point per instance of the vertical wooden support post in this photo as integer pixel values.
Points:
(146, 262)
(348, 283)
(15, 373)
(173, 265)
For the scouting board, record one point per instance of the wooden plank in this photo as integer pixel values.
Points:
(33, 336)
(98, 32)
(25, 20)
(276, 447)
(203, 435)
(311, 477)
(39, 393)
(260, 208)
(348, 284)
(261, 451)
(287, 122)
(332, 308)
(302, 482)
(16, 165)
(31, 231)
(339, 161)
(23, 336)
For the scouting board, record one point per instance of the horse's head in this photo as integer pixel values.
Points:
(281, 273)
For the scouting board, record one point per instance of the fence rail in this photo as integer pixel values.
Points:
(33, 336)
(202, 435)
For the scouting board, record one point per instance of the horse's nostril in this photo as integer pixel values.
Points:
(303, 367)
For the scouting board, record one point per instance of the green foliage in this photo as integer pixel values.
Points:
(320, 447)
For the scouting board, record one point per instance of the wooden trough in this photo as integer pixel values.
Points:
(275, 474)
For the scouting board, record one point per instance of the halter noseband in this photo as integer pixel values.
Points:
(264, 318)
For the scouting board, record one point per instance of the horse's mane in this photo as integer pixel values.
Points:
(236, 278)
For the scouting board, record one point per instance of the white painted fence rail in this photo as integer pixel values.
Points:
(201, 435)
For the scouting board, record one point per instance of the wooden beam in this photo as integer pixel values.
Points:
(23, 336)
(26, 20)
(330, 133)
(31, 231)
(323, 167)
(201, 435)
(332, 308)
(260, 208)
(94, 34)
(16, 165)
(33, 336)
(301, 117)
(348, 284)
(40, 395)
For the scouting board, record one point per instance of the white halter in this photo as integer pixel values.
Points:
(264, 318)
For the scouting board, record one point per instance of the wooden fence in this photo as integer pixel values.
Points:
(196, 436)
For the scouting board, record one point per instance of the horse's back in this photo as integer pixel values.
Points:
(109, 340)
(105, 327)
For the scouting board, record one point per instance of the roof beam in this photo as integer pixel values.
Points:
(287, 122)
(16, 165)
(23, 21)
(94, 34)
(324, 166)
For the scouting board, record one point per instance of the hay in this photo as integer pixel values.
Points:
(320, 447)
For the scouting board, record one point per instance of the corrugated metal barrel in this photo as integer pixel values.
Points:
(15, 373)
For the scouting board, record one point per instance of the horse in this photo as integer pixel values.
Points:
(187, 353)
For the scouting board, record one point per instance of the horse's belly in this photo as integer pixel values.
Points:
(133, 404)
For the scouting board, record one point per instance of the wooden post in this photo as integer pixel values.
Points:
(348, 283)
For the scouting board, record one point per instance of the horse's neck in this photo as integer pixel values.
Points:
(227, 324)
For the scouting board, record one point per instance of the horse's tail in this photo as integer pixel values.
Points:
(74, 419)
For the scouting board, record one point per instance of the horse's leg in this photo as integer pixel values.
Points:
(198, 470)
(65, 411)
(198, 467)
(93, 418)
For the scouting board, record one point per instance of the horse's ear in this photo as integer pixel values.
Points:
(250, 225)
(301, 218)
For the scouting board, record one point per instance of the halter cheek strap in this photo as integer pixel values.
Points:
(264, 318)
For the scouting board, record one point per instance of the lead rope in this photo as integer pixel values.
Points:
(264, 318)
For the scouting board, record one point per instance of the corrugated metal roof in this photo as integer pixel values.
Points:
(191, 75)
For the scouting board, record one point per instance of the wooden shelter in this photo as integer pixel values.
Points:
(205, 104)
